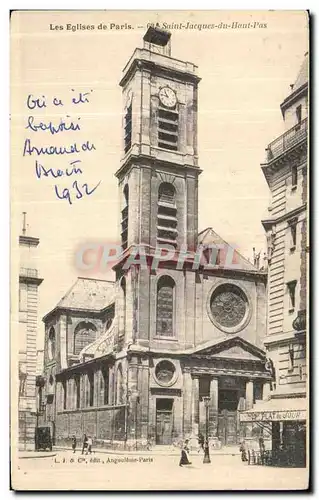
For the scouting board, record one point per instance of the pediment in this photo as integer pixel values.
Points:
(235, 348)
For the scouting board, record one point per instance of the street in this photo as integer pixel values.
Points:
(104, 471)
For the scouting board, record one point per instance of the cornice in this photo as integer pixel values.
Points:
(267, 223)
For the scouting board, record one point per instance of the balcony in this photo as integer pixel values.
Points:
(288, 140)
(28, 272)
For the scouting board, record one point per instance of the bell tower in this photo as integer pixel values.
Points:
(158, 176)
(158, 188)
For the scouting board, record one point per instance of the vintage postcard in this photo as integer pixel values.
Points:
(159, 253)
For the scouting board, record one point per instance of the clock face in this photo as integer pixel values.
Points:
(167, 97)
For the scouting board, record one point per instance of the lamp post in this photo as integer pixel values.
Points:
(206, 445)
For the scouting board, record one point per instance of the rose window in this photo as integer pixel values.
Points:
(229, 306)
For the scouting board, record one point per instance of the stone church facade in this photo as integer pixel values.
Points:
(167, 351)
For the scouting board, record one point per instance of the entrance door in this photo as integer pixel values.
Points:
(164, 421)
(227, 427)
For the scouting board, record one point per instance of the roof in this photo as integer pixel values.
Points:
(89, 294)
(209, 237)
(302, 77)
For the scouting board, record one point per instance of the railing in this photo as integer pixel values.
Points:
(286, 141)
(28, 272)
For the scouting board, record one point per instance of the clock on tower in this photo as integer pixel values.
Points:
(158, 176)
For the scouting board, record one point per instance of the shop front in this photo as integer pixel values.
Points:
(286, 419)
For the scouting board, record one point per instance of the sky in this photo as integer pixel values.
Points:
(246, 73)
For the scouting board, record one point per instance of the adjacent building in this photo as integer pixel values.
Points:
(285, 171)
(163, 352)
(29, 282)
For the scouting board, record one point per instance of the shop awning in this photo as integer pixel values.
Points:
(276, 410)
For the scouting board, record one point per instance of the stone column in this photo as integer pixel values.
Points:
(249, 405)
(187, 404)
(249, 394)
(266, 391)
(195, 405)
(213, 410)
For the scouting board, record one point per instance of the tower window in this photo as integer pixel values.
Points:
(168, 129)
(128, 129)
(291, 285)
(167, 215)
(165, 307)
(124, 221)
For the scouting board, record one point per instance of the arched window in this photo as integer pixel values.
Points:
(166, 214)
(124, 221)
(51, 343)
(119, 386)
(104, 385)
(84, 334)
(165, 307)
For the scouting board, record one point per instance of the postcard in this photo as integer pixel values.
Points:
(159, 250)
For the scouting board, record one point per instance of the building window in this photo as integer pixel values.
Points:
(167, 215)
(84, 334)
(291, 286)
(51, 343)
(293, 233)
(299, 114)
(165, 307)
(128, 129)
(65, 394)
(294, 176)
(91, 389)
(77, 381)
(119, 386)
(291, 358)
(104, 386)
(168, 129)
(124, 221)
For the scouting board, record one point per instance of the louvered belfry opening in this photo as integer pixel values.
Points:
(124, 221)
(128, 129)
(167, 215)
(168, 128)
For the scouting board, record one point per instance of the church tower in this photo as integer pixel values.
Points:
(158, 181)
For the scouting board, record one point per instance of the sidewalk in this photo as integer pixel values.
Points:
(158, 450)
(36, 454)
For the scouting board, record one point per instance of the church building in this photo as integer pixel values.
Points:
(163, 352)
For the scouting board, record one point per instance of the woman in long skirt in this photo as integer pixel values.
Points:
(184, 455)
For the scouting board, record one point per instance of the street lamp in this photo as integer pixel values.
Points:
(206, 445)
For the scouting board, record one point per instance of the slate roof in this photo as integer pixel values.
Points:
(89, 294)
(209, 237)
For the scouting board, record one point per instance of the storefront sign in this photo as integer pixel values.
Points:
(272, 416)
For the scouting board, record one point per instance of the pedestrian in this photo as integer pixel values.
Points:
(201, 441)
(73, 443)
(85, 443)
(89, 445)
(243, 451)
(184, 454)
